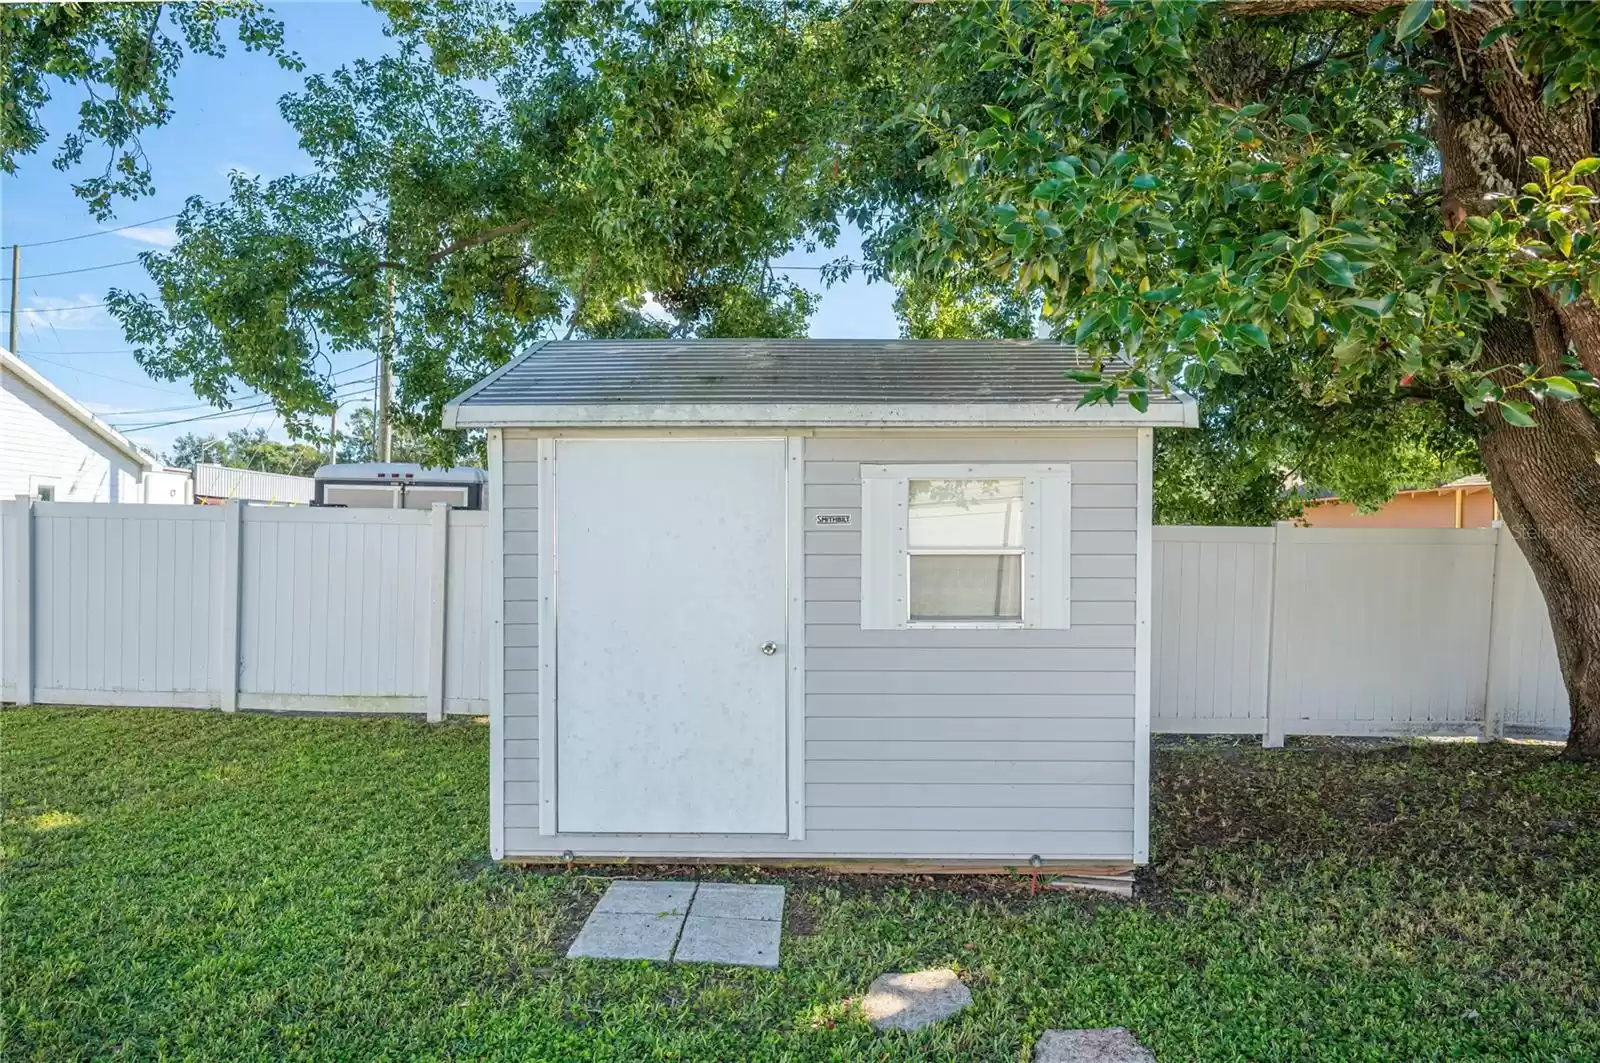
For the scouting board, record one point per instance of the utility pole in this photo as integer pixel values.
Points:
(16, 281)
(386, 340)
(333, 433)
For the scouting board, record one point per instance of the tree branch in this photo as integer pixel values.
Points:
(482, 238)
(583, 295)
(1272, 8)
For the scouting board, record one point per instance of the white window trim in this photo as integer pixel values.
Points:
(1046, 550)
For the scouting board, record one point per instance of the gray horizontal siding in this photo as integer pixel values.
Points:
(520, 576)
(870, 681)
(921, 744)
(1084, 614)
(927, 706)
(976, 729)
(965, 795)
(820, 636)
(984, 773)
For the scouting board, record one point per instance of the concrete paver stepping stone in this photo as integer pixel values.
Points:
(915, 999)
(1112, 1044)
(627, 936)
(634, 921)
(737, 900)
(742, 942)
(734, 923)
(647, 898)
(715, 922)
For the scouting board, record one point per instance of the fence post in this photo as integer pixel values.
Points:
(440, 520)
(1493, 726)
(1273, 738)
(232, 581)
(22, 619)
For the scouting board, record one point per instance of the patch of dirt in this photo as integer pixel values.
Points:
(1478, 810)
(799, 920)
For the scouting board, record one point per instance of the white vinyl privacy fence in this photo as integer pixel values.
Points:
(249, 607)
(1339, 631)
(1270, 631)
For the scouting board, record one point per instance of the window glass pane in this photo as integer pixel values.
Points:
(361, 496)
(965, 514)
(966, 586)
(425, 497)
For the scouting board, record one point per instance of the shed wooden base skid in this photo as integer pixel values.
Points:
(1053, 870)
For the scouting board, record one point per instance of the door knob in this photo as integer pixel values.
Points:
(769, 648)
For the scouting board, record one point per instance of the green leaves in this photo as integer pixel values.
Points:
(999, 114)
(1336, 269)
(1255, 334)
(1412, 19)
(1518, 414)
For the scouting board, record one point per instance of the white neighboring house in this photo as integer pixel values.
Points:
(54, 450)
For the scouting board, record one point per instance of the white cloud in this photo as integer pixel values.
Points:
(154, 235)
(74, 313)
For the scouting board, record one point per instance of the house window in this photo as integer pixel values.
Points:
(976, 546)
(45, 492)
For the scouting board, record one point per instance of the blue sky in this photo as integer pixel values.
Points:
(226, 119)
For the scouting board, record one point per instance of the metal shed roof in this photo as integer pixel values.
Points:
(798, 383)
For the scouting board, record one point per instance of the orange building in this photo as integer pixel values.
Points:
(1464, 503)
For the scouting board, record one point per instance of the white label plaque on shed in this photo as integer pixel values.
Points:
(832, 520)
(671, 608)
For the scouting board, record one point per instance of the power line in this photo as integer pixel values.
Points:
(55, 309)
(91, 372)
(74, 354)
(80, 269)
(242, 398)
(101, 232)
(213, 415)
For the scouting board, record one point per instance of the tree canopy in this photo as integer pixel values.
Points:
(1362, 231)
(244, 448)
(122, 56)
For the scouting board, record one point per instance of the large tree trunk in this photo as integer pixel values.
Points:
(1547, 482)
(1546, 479)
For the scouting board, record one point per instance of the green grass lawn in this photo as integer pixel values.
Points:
(193, 886)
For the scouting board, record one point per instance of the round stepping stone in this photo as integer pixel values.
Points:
(1112, 1044)
(913, 1000)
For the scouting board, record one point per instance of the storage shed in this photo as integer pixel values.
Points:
(821, 601)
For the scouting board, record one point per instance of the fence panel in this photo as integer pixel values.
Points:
(1255, 630)
(1211, 605)
(127, 604)
(466, 631)
(10, 516)
(1526, 691)
(1380, 632)
(334, 606)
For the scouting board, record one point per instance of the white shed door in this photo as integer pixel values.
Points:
(670, 578)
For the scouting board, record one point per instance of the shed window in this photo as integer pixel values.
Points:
(965, 546)
(964, 549)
